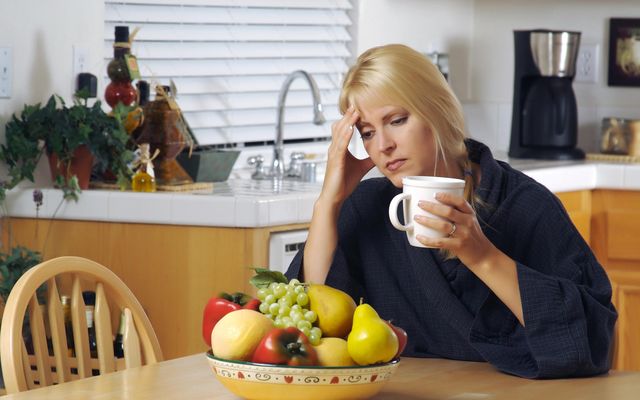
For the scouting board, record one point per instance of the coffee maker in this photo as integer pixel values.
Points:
(544, 119)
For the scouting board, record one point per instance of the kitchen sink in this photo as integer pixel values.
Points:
(253, 188)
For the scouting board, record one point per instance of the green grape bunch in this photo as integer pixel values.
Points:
(286, 303)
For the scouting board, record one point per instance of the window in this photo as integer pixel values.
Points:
(228, 59)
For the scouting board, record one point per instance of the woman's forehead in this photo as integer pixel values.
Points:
(375, 113)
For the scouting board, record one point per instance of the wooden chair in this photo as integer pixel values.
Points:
(52, 364)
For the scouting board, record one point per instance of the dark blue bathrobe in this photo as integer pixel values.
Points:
(448, 312)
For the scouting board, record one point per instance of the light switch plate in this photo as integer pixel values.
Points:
(6, 71)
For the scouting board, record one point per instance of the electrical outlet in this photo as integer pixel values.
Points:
(6, 71)
(80, 63)
(587, 64)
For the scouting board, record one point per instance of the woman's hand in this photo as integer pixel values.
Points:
(463, 235)
(344, 171)
(465, 239)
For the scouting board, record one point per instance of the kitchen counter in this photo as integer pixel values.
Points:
(244, 203)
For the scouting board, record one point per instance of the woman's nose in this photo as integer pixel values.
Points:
(385, 142)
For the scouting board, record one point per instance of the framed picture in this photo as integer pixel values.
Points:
(624, 52)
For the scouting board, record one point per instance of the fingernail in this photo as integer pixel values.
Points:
(422, 203)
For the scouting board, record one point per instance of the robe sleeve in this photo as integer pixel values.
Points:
(565, 293)
(345, 272)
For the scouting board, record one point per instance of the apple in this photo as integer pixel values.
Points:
(402, 338)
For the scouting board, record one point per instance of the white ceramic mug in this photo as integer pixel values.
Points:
(414, 189)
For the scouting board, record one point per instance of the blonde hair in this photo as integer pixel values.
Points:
(396, 74)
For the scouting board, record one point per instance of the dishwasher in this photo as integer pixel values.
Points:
(283, 246)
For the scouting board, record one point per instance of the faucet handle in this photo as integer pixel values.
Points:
(257, 161)
(294, 169)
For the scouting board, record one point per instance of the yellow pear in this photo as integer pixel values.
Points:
(334, 309)
(332, 352)
(371, 340)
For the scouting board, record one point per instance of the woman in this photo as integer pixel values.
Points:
(512, 282)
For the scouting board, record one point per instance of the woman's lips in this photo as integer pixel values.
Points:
(394, 165)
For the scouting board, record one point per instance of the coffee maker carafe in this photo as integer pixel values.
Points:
(544, 120)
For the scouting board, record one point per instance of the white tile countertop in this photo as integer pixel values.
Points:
(245, 203)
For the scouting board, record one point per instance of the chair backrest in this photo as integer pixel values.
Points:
(48, 358)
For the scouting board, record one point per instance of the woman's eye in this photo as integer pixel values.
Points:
(366, 135)
(399, 121)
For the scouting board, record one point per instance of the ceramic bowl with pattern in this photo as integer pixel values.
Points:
(280, 382)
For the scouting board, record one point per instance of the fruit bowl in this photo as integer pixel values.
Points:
(280, 382)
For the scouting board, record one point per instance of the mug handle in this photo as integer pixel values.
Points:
(393, 212)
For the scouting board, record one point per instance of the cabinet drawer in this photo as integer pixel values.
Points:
(622, 238)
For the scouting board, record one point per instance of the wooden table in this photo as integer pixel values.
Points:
(190, 378)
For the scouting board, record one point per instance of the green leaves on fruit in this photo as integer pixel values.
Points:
(264, 277)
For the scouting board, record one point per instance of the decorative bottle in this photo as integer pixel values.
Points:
(144, 179)
(165, 131)
(120, 88)
(68, 327)
(90, 303)
(141, 109)
(118, 344)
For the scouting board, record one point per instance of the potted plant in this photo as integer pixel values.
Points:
(69, 136)
(13, 265)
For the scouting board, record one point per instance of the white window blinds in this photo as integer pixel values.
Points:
(229, 58)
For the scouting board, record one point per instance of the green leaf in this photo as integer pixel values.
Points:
(264, 277)
(13, 265)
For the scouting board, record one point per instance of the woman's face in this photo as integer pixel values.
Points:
(398, 143)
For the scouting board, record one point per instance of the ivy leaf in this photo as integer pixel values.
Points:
(264, 277)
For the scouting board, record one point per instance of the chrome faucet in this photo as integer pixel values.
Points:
(277, 170)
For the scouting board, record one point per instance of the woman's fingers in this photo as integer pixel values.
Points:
(435, 223)
(342, 130)
(451, 211)
(457, 202)
(441, 210)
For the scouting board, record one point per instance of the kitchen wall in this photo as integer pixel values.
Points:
(426, 25)
(42, 35)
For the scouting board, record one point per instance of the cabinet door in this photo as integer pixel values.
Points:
(615, 225)
(626, 286)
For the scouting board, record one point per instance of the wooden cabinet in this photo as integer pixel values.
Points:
(578, 205)
(172, 270)
(615, 240)
(610, 221)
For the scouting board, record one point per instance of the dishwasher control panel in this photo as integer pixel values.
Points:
(283, 246)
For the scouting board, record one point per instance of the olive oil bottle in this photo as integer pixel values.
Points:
(144, 179)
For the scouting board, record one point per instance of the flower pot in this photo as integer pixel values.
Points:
(81, 165)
